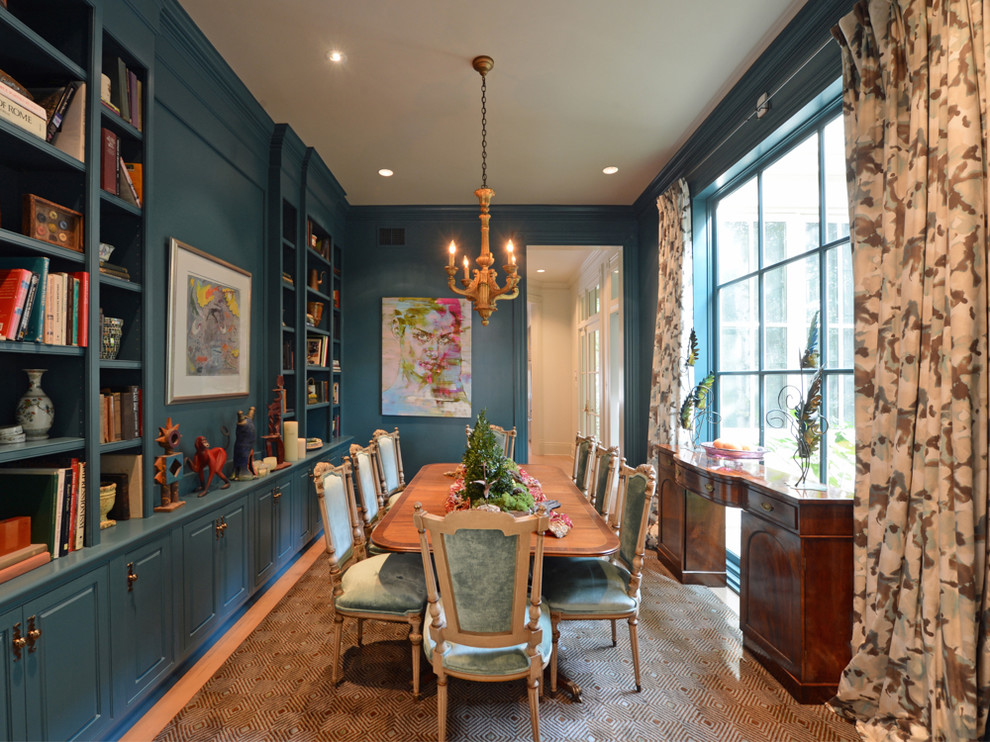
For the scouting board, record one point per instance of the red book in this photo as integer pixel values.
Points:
(14, 285)
(109, 159)
(26, 565)
(82, 308)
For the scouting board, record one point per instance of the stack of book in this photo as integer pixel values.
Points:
(55, 114)
(118, 177)
(123, 92)
(53, 498)
(120, 418)
(37, 305)
(117, 271)
(17, 554)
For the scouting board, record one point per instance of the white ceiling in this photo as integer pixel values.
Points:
(577, 85)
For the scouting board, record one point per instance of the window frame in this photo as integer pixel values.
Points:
(707, 288)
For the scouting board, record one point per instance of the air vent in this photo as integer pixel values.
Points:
(391, 236)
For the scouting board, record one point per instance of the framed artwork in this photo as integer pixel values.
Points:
(209, 326)
(426, 357)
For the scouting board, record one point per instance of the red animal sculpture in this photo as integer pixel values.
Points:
(211, 459)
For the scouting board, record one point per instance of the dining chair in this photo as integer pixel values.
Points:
(385, 587)
(389, 460)
(367, 487)
(506, 438)
(590, 588)
(605, 464)
(486, 623)
(583, 446)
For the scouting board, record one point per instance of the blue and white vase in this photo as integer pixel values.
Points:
(35, 411)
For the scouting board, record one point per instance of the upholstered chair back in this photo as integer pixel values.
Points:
(636, 489)
(366, 486)
(389, 461)
(335, 501)
(506, 438)
(583, 446)
(482, 573)
(605, 479)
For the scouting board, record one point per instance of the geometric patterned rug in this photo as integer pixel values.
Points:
(698, 683)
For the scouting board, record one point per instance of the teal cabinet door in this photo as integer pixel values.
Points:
(142, 617)
(265, 535)
(67, 660)
(286, 504)
(233, 557)
(13, 720)
(200, 574)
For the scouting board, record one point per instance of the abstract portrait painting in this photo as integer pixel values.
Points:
(209, 326)
(426, 357)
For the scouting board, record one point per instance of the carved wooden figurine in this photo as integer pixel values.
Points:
(211, 460)
(244, 445)
(168, 467)
(273, 440)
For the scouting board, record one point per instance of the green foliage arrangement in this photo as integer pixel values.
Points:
(695, 405)
(489, 476)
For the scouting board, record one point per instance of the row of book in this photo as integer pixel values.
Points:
(37, 305)
(118, 177)
(54, 498)
(123, 92)
(55, 114)
(120, 414)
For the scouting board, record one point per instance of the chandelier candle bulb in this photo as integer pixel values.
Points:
(466, 273)
(452, 249)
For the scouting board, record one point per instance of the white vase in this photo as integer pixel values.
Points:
(35, 411)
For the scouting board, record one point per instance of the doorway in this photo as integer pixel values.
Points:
(575, 347)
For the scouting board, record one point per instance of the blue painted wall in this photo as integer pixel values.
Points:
(417, 269)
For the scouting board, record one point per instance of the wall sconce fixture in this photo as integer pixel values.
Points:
(483, 290)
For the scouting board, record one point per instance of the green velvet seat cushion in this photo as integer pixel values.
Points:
(586, 585)
(492, 661)
(388, 583)
(374, 549)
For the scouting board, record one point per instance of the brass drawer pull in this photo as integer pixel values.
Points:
(767, 506)
(709, 487)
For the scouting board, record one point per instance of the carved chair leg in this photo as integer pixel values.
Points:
(360, 631)
(441, 706)
(338, 633)
(555, 623)
(534, 706)
(634, 641)
(416, 640)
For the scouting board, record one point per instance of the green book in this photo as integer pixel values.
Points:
(36, 493)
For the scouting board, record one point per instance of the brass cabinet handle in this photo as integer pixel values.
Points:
(709, 487)
(766, 506)
(34, 633)
(18, 641)
(276, 494)
(131, 577)
(221, 526)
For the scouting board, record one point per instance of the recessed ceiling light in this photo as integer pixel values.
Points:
(541, 270)
(385, 172)
(335, 56)
(610, 170)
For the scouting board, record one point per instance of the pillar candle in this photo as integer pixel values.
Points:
(302, 448)
(290, 439)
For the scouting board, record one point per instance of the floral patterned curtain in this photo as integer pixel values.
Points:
(674, 314)
(915, 103)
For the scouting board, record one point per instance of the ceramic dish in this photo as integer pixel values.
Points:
(313, 443)
(733, 453)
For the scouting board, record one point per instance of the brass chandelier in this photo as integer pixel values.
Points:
(483, 290)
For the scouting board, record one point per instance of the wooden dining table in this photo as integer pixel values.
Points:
(590, 535)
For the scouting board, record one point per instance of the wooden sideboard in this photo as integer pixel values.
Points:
(796, 571)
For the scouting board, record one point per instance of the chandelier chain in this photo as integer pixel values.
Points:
(484, 136)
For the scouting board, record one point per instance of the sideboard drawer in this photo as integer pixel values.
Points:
(779, 512)
(723, 490)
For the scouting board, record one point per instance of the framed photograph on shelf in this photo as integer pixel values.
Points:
(209, 321)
